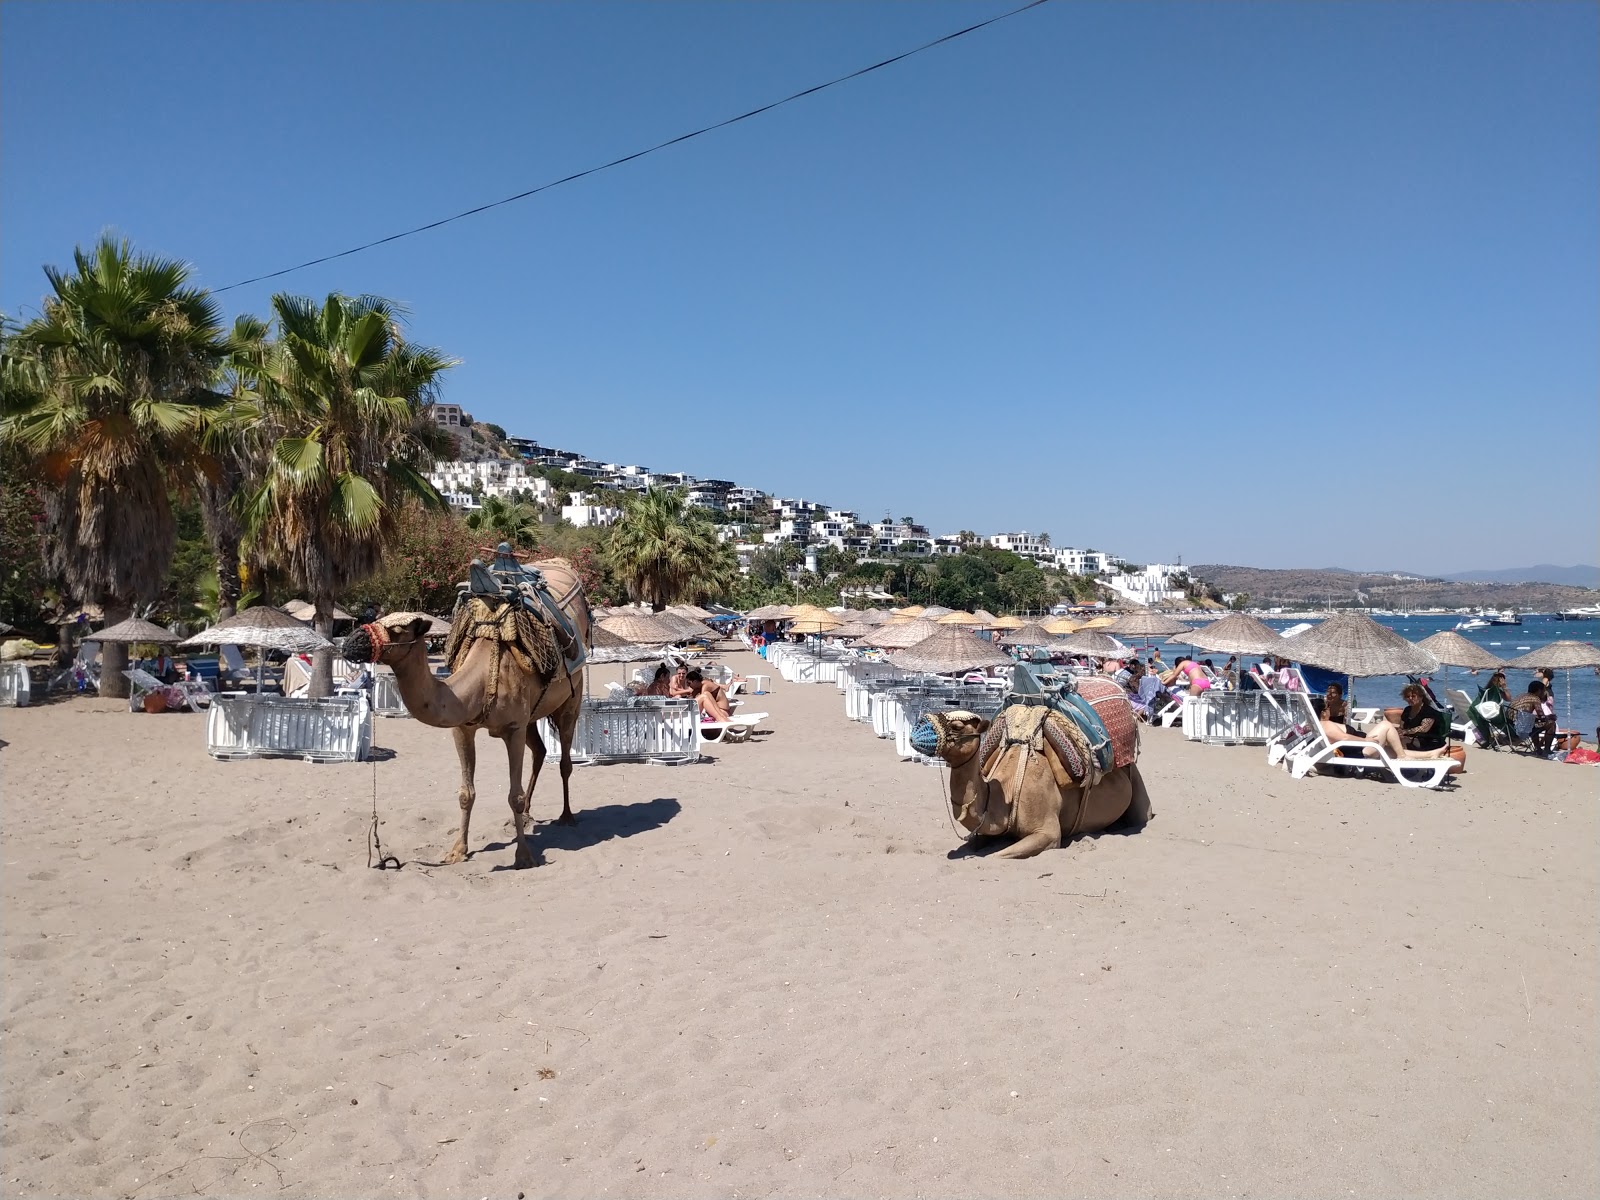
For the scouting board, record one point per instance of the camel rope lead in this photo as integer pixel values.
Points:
(385, 862)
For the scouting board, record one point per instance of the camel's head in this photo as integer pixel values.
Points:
(952, 736)
(386, 639)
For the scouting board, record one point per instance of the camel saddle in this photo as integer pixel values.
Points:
(525, 586)
(1084, 727)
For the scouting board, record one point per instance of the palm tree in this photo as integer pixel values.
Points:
(345, 409)
(233, 455)
(124, 354)
(664, 551)
(513, 522)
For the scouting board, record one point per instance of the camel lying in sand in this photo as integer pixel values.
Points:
(1023, 797)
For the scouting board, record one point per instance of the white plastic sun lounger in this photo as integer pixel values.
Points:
(1310, 750)
(735, 729)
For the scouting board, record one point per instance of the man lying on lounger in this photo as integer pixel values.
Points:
(712, 698)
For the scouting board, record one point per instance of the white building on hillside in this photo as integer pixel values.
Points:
(1082, 562)
(583, 511)
(464, 484)
(1149, 585)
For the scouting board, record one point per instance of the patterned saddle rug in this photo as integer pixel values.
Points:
(1085, 730)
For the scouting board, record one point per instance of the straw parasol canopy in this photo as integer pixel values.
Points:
(1027, 635)
(1236, 633)
(1453, 650)
(1093, 643)
(1146, 624)
(820, 622)
(902, 637)
(1062, 625)
(1007, 622)
(304, 610)
(693, 611)
(687, 627)
(135, 630)
(1353, 644)
(987, 617)
(852, 629)
(913, 610)
(934, 611)
(873, 616)
(950, 648)
(263, 627)
(768, 612)
(1100, 622)
(971, 620)
(1558, 656)
(641, 629)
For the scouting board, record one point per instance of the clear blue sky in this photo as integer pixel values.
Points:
(1278, 284)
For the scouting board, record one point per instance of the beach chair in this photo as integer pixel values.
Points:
(1461, 723)
(1312, 751)
(141, 684)
(197, 693)
(735, 729)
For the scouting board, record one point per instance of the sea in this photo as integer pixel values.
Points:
(1581, 711)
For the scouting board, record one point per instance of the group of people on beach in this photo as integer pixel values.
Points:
(710, 697)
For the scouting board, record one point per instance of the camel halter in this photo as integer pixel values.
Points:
(379, 636)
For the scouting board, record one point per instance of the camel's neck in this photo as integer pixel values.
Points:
(968, 792)
(427, 697)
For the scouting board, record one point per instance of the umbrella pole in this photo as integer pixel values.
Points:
(261, 668)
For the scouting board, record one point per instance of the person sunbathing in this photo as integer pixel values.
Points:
(1335, 715)
(711, 698)
(680, 687)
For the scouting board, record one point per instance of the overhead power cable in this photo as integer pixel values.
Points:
(627, 158)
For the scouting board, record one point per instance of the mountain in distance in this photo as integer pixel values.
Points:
(1320, 587)
(1578, 576)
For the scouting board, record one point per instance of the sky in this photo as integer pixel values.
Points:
(1279, 285)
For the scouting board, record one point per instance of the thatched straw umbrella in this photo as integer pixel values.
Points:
(304, 610)
(1007, 622)
(1146, 624)
(934, 611)
(265, 628)
(1093, 643)
(1027, 635)
(1565, 655)
(1060, 626)
(136, 631)
(873, 616)
(1453, 650)
(768, 612)
(1354, 645)
(642, 629)
(814, 623)
(1237, 633)
(693, 611)
(949, 649)
(961, 618)
(913, 611)
(1105, 622)
(901, 637)
(610, 647)
(987, 617)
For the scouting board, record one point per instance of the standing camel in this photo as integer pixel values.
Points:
(506, 672)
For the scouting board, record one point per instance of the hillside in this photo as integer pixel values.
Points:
(1316, 588)
(1583, 575)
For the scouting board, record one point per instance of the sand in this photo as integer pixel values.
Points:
(762, 975)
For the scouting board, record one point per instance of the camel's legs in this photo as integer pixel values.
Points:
(467, 755)
(540, 753)
(515, 744)
(1033, 844)
(1139, 812)
(566, 723)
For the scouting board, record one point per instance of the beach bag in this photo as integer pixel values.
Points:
(1489, 710)
(1583, 755)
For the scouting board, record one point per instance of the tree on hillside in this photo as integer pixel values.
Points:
(503, 521)
(122, 360)
(663, 551)
(343, 406)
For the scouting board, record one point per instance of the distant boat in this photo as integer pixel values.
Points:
(1588, 612)
(1505, 618)
(1471, 623)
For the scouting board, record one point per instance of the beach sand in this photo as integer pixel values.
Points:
(762, 975)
